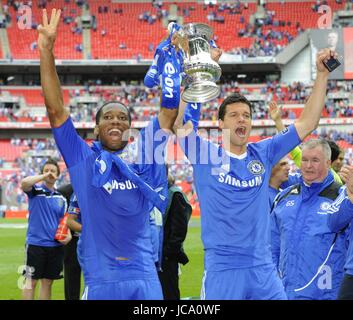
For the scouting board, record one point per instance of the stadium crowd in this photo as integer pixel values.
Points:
(179, 168)
(143, 102)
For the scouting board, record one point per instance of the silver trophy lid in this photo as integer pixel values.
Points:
(192, 29)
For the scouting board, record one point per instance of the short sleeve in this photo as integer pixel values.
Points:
(151, 160)
(282, 143)
(32, 193)
(71, 146)
(73, 206)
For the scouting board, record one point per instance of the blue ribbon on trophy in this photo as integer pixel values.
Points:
(166, 70)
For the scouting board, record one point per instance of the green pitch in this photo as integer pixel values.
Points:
(12, 258)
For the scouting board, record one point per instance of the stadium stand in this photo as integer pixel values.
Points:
(24, 47)
(114, 34)
(10, 152)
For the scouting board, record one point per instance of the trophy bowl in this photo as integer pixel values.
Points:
(201, 71)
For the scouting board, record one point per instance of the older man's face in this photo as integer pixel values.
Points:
(314, 165)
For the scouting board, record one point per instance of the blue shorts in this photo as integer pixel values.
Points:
(149, 289)
(256, 283)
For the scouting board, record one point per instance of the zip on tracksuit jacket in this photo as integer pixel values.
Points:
(341, 216)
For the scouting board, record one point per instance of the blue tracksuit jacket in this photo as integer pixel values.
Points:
(309, 256)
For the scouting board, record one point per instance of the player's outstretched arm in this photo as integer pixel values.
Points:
(310, 116)
(166, 118)
(28, 182)
(180, 128)
(276, 115)
(53, 97)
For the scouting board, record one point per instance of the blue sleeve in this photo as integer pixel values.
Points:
(192, 113)
(340, 212)
(282, 143)
(197, 149)
(275, 240)
(293, 178)
(152, 76)
(73, 206)
(32, 193)
(152, 143)
(71, 146)
(151, 161)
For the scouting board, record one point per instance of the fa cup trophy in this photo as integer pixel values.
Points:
(201, 72)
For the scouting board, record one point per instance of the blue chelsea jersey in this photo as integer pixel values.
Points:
(46, 208)
(115, 243)
(234, 198)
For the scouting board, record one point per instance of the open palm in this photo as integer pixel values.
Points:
(47, 30)
(274, 111)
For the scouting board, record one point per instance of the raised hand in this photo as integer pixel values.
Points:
(324, 55)
(274, 111)
(50, 176)
(345, 172)
(47, 30)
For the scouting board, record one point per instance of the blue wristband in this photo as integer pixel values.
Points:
(192, 113)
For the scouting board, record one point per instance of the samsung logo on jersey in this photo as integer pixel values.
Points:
(225, 178)
(115, 185)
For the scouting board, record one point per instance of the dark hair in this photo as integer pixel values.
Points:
(234, 98)
(52, 162)
(99, 111)
(335, 150)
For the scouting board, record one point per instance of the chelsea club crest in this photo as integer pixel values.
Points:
(256, 167)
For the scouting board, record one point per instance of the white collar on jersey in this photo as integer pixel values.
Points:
(236, 156)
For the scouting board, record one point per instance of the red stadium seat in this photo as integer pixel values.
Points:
(137, 35)
(34, 96)
(10, 153)
(20, 40)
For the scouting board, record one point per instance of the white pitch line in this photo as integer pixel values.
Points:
(13, 225)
